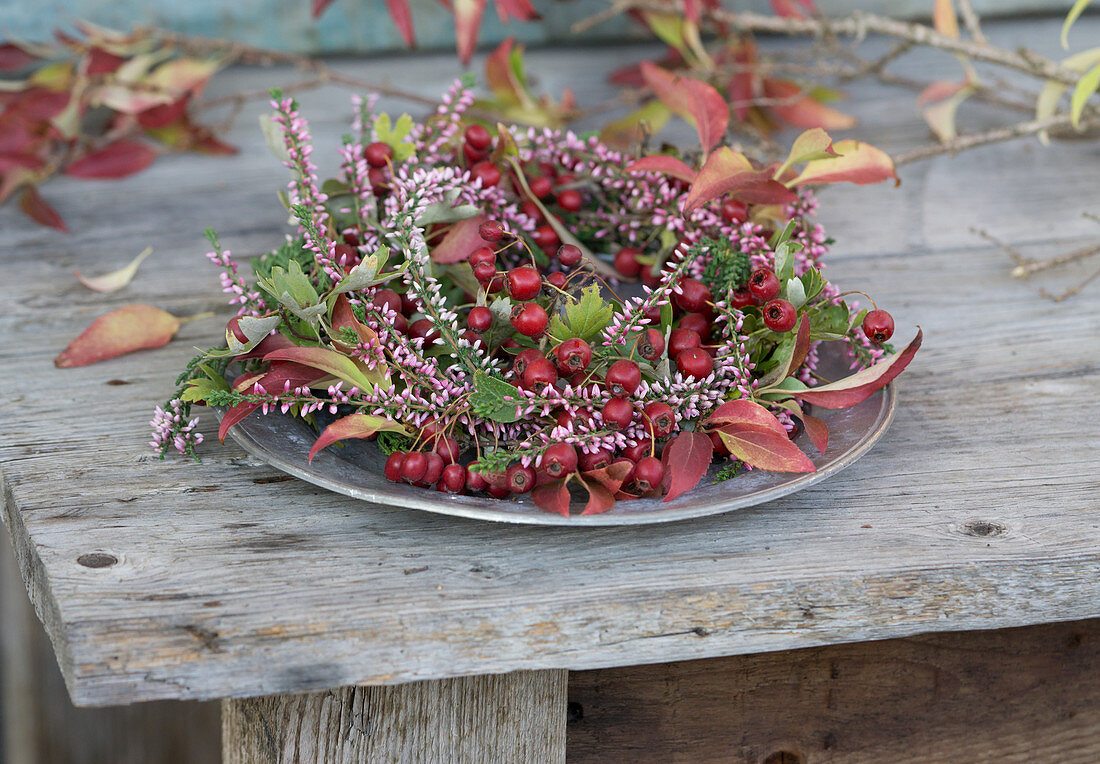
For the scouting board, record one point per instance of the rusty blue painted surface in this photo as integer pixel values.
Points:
(363, 26)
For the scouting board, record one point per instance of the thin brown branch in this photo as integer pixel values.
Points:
(1072, 290)
(971, 21)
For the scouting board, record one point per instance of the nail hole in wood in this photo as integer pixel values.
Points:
(784, 757)
(97, 560)
(574, 712)
(982, 528)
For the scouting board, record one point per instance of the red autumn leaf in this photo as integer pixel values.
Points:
(209, 144)
(745, 413)
(944, 19)
(817, 430)
(610, 477)
(403, 20)
(319, 7)
(330, 361)
(728, 172)
(163, 114)
(457, 244)
(801, 346)
(694, 100)
(764, 449)
(297, 375)
(858, 387)
(101, 61)
(14, 58)
(859, 163)
(234, 415)
(350, 427)
(344, 317)
(686, 459)
(788, 8)
(520, 9)
(939, 90)
(39, 210)
(599, 499)
(129, 328)
(116, 160)
(664, 164)
(268, 344)
(500, 76)
(468, 15)
(552, 497)
(801, 109)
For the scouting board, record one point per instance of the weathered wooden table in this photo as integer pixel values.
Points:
(339, 631)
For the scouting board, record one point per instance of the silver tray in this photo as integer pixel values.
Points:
(356, 469)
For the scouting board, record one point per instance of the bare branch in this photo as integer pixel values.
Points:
(997, 135)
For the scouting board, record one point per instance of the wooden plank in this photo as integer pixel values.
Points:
(511, 717)
(1015, 695)
(976, 511)
(40, 725)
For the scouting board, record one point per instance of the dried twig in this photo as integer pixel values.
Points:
(997, 135)
(971, 21)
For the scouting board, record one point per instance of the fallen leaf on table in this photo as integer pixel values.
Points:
(115, 280)
(130, 328)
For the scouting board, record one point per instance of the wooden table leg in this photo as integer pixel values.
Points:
(518, 717)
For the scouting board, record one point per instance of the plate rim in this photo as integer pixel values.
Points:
(438, 503)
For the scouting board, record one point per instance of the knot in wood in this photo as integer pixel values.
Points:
(983, 528)
(97, 560)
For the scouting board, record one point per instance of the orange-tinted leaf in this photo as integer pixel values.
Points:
(664, 164)
(801, 110)
(817, 430)
(116, 160)
(727, 171)
(403, 20)
(353, 426)
(944, 19)
(468, 15)
(815, 143)
(319, 7)
(939, 90)
(343, 317)
(941, 116)
(858, 387)
(732, 415)
(789, 8)
(124, 99)
(500, 76)
(182, 76)
(859, 163)
(801, 345)
(632, 128)
(457, 244)
(330, 361)
(765, 450)
(234, 415)
(114, 280)
(39, 210)
(610, 477)
(552, 497)
(686, 459)
(694, 100)
(520, 9)
(130, 328)
(599, 499)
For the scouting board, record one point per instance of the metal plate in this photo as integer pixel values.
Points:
(356, 469)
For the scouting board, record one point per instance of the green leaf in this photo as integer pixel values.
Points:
(1074, 12)
(394, 135)
(495, 399)
(584, 318)
(796, 293)
(812, 283)
(198, 390)
(1085, 87)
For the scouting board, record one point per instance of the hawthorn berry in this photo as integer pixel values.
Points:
(648, 473)
(347, 256)
(393, 466)
(623, 378)
(487, 172)
(720, 447)
(498, 491)
(570, 255)
(539, 373)
(378, 154)
(520, 479)
(570, 200)
(541, 186)
(651, 276)
(698, 323)
(651, 344)
(480, 318)
(597, 460)
(496, 285)
(409, 304)
(557, 280)
(379, 179)
(522, 359)
(734, 210)
(478, 137)
(531, 210)
(878, 325)
(400, 324)
(387, 299)
(473, 156)
(559, 459)
(485, 272)
(453, 479)
(695, 363)
(447, 447)
(779, 316)
(433, 469)
(523, 283)
(638, 450)
(475, 481)
(425, 329)
(482, 255)
(546, 237)
(618, 413)
(491, 230)
(742, 298)
(626, 262)
(682, 339)
(573, 355)
(693, 296)
(475, 339)
(529, 319)
(660, 419)
(234, 325)
(763, 285)
(413, 467)
(566, 178)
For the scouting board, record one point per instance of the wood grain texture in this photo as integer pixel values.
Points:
(977, 510)
(1013, 696)
(518, 717)
(40, 725)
